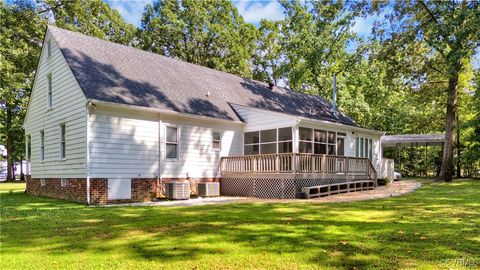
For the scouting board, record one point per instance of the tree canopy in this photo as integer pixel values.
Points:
(412, 74)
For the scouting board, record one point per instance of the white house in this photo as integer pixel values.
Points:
(107, 122)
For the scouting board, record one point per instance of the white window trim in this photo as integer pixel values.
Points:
(49, 48)
(42, 145)
(42, 182)
(63, 182)
(49, 91)
(63, 143)
(166, 142)
(28, 146)
(219, 141)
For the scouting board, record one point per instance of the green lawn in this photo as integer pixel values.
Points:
(435, 227)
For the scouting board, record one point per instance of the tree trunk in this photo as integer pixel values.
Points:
(22, 175)
(459, 158)
(446, 171)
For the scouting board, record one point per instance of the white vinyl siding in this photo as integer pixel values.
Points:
(257, 119)
(195, 139)
(123, 144)
(68, 107)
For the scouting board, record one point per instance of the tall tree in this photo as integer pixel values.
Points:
(316, 38)
(21, 35)
(451, 32)
(267, 61)
(209, 33)
(91, 17)
(22, 28)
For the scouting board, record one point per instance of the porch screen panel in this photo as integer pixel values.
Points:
(270, 141)
(305, 140)
(285, 144)
(340, 146)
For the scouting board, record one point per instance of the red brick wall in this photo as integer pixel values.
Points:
(143, 189)
(98, 190)
(75, 190)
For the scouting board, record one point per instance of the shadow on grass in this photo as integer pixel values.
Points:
(435, 223)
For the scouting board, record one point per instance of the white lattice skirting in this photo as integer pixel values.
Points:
(278, 186)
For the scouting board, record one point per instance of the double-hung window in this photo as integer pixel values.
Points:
(63, 152)
(42, 145)
(49, 91)
(49, 48)
(171, 143)
(29, 146)
(216, 140)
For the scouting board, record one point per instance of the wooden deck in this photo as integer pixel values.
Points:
(286, 175)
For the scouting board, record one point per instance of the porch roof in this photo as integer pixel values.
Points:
(413, 140)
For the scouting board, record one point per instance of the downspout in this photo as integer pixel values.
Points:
(87, 171)
(159, 156)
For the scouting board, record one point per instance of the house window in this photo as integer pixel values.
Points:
(270, 141)
(172, 143)
(42, 145)
(29, 146)
(49, 48)
(216, 140)
(50, 93)
(63, 153)
(364, 148)
(42, 182)
(63, 182)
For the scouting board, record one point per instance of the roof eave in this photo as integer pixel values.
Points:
(341, 125)
(156, 110)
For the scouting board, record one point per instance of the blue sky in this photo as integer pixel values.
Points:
(252, 12)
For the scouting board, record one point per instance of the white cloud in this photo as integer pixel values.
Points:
(131, 10)
(363, 26)
(254, 11)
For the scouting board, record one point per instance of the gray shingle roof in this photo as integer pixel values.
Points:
(116, 73)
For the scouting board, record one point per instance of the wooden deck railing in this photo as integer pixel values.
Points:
(297, 163)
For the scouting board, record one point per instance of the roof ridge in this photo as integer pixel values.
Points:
(135, 76)
(169, 58)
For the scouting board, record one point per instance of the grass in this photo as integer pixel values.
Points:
(436, 227)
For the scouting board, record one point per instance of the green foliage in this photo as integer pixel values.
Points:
(209, 33)
(23, 26)
(91, 17)
(21, 32)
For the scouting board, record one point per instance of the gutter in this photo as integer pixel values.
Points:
(156, 110)
(335, 124)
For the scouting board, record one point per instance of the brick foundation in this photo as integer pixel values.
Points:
(75, 190)
(143, 189)
(98, 190)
